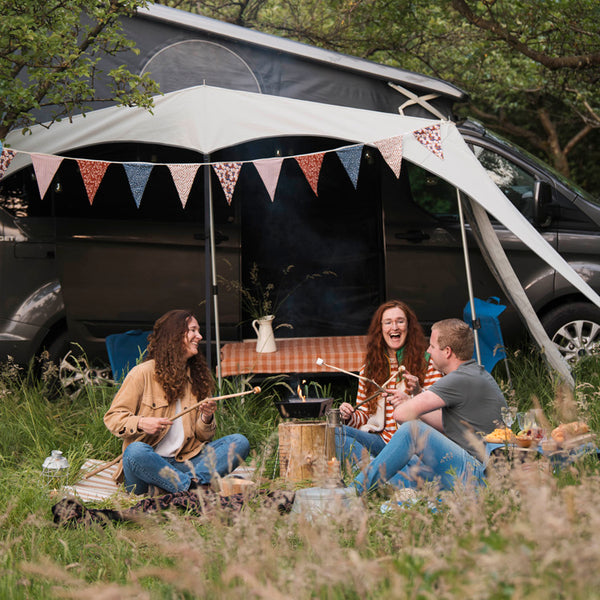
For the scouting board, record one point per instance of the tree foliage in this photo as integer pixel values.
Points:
(531, 67)
(49, 53)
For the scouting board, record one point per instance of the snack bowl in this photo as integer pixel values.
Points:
(524, 442)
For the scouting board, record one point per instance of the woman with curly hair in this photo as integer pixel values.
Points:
(171, 455)
(396, 358)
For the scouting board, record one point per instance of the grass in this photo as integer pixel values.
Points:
(529, 534)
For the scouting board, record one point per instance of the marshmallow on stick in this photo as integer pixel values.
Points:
(321, 362)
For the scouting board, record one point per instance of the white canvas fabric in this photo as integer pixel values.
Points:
(207, 119)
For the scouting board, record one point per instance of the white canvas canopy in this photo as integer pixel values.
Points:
(207, 119)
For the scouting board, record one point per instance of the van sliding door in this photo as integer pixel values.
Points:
(121, 266)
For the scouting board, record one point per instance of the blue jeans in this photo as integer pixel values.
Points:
(427, 453)
(351, 443)
(142, 466)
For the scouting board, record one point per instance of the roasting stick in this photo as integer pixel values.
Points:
(320, 361)
(378, 392)
(105, 466)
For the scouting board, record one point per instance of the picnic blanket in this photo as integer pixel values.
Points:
(97, 487)
(102, 485)
(70, 512)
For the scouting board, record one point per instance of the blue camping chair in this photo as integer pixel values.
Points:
(125, 350)
(491, 342)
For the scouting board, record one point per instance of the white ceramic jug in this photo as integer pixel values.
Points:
(264, 331)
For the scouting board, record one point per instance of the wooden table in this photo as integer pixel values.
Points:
(295, 355)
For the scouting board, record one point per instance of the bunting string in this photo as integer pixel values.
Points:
(183, 174)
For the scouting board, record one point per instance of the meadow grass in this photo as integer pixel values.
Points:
(530, 533)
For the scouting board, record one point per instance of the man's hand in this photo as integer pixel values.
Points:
(413, 387)
(395, 397)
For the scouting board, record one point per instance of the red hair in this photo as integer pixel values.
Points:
(377, 365)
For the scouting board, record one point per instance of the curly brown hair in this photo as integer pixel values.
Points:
(377, 365)
(166, 347)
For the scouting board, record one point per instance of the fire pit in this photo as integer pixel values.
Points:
(296, 407)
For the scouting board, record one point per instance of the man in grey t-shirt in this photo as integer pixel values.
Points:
(438, 425)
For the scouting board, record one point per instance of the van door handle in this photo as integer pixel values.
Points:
(414, 236)
(219, 237)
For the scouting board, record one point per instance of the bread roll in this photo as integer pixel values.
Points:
(569, 430)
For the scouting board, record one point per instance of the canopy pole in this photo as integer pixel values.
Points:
(207, 262)
(213, 270)
(463, 234)
(500, 266)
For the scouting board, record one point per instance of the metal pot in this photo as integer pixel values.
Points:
(296, 408)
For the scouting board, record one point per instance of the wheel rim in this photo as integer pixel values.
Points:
(578, 339)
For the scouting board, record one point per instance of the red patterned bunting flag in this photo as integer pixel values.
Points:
(5, 160)
(228, 174)
(183, 177)
(92, 172)
(311, 167)
(45, 167)
(269, 169)
(391, 151)
(430, 138)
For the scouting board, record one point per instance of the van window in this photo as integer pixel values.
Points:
(516, 183)
(20, 197)
(431, 193)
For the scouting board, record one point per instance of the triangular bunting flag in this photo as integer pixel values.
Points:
(228, 174)
(137, 175)
(5, 159)
(92, 172)
(45, 167)
(430, 138)
(311, 167)
(391, 150)
(269, 169)
(183, 177)
(350, 158)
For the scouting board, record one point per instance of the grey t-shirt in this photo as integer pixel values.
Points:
(473, 403)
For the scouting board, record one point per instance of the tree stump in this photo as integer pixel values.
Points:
(303, 448)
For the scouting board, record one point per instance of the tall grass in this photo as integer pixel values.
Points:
(529, 534)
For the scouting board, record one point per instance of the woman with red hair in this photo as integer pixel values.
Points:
(396, 358)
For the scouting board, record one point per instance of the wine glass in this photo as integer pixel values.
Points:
(508, 415)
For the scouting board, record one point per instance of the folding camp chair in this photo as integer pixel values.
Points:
(125, 350)
(487, 325)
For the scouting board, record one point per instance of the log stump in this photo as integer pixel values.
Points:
(303, 449)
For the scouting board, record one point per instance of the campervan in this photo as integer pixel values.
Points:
(72, 270)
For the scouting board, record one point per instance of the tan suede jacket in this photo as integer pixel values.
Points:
(141, 395)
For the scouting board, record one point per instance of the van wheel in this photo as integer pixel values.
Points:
(574, 329)
(58, 348)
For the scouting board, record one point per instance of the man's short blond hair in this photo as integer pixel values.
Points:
(457, 335)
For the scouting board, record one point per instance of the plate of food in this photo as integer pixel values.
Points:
(500, 435)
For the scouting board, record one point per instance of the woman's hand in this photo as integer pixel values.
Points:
(346, 411)
(207, 410)
(413, 387)
(153, 425)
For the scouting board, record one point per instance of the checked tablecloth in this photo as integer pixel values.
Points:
(295, 355)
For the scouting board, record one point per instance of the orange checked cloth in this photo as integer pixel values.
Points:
(295, 355)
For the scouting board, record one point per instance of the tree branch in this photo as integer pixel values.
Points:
(578, 61)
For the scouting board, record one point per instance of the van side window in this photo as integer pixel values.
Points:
(516, 183)
(431, 193)
(20, 197)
